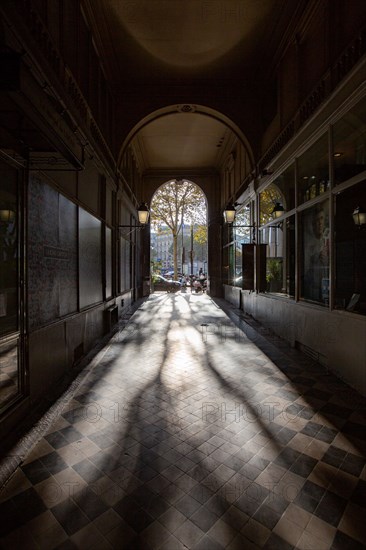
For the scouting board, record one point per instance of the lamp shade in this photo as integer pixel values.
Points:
(7, 215)
(278, 210)
(359, 216)
(143, 214)
(229, 213)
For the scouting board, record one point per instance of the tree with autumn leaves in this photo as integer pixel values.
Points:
(176, 203)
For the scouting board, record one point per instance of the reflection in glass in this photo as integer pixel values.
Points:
(286, 185)
(8, 250)
(9, 378)
(273, 237)
(242, 234)
(280, 257)
(349, 138)
(242, 226)
(108, 262)
(315, 253)
(267, 201)
(313, 171)
(290, 256)
(238, 279)
(125, 268)
(90, 259)
(9, 275)
(350, 252)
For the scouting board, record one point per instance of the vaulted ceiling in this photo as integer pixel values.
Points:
(191, 50)
(183, 140)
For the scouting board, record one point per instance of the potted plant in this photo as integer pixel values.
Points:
(274, 274)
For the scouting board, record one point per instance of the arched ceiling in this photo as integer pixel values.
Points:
(202, 51)
(182, 140)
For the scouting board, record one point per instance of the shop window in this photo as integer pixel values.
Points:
(126, 246)
(8, 250)
(350, 251)
(279, 241)
(225, 266)
(108, 262)
(290, 247)
(231, 276)
(285, 183)
(238, 265)
(243, 226)
(272, 236)
(349, 139)
(313, 171)
(90, 259)
(10, 340)
(125, 267)
(241, 233)
(314, 237)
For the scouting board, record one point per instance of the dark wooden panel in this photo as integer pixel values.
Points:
(52, 254)
(261, 267)
(248, 251)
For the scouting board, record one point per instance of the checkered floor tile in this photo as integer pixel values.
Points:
(191, 433)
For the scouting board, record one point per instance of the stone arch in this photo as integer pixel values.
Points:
(185, 179)
(187, 108)
(209, 181)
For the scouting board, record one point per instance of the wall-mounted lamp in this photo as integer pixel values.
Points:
(229, 213)
(143, 214)
(229, 217)
(278, 210)
(359, 216)
(7, 215)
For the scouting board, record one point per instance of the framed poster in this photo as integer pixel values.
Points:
(315, 253)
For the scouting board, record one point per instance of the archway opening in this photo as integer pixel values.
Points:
(178, 249)
(191, 143)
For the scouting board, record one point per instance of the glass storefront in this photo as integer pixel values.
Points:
(313, 171)
(8, 250)
(90, 259)
(279, 239)
(305, 242)
(268, 199)
(314, 253)
(10, 350)
(241, 233)
(350, 251)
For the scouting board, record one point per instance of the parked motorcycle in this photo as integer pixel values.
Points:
(199, 285)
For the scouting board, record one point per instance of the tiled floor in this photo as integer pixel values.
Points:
(186, 434)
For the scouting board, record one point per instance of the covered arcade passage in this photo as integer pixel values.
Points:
(263, 105)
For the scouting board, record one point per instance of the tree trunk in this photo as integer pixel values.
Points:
(175, 255)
